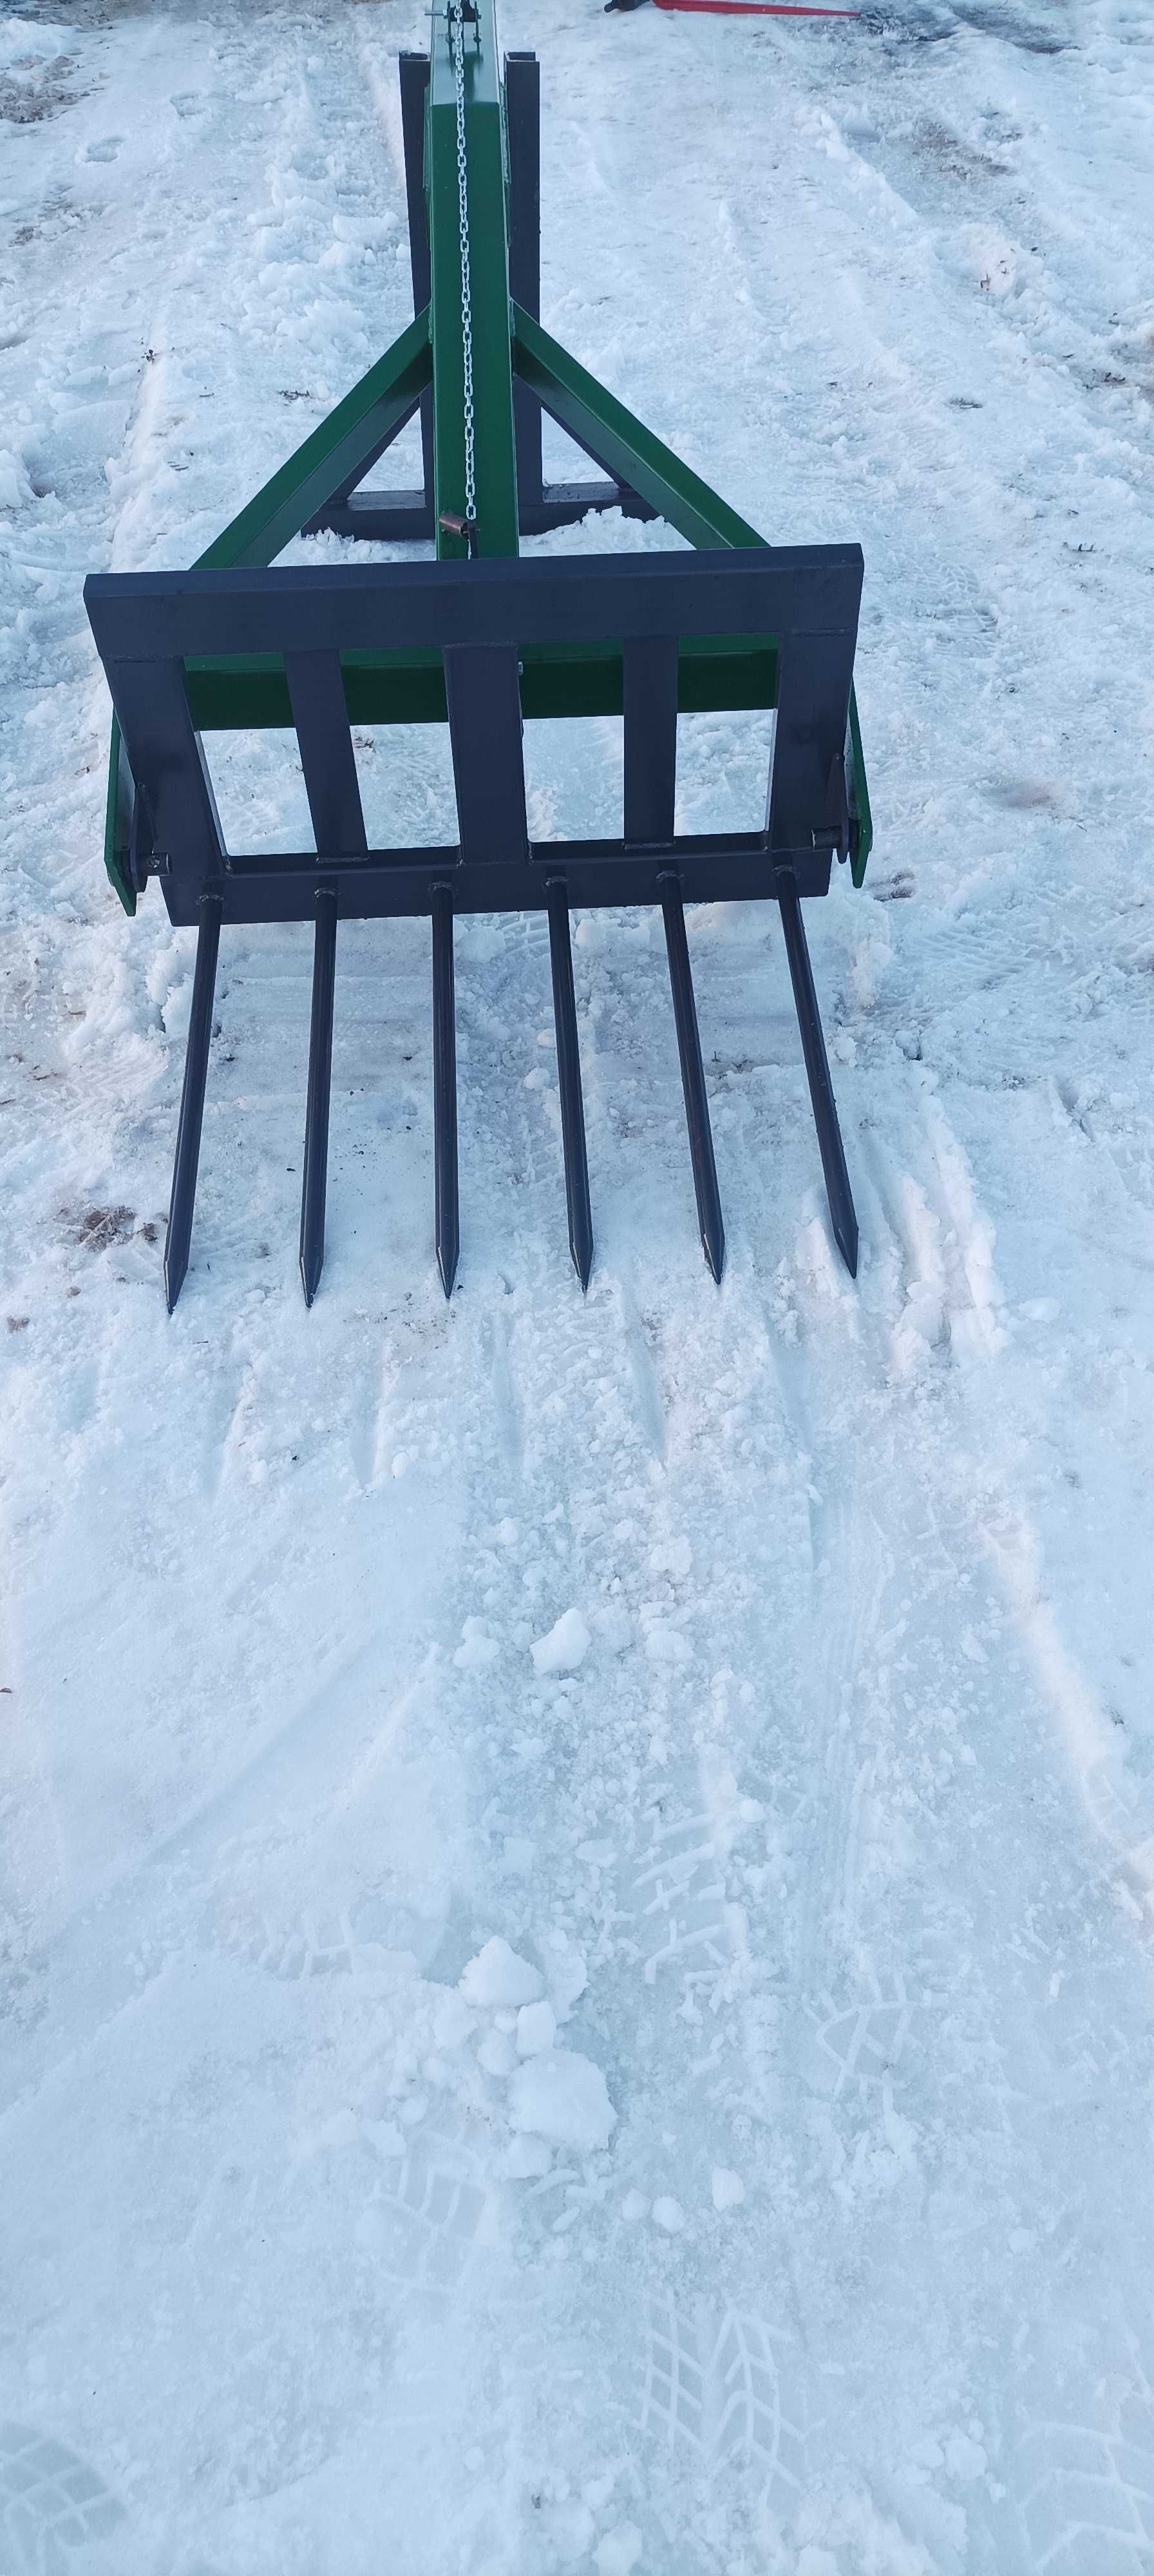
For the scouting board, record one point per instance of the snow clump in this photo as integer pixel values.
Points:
(566, 1645)
(536, 2029)
(561, 2096)
(498, 1977)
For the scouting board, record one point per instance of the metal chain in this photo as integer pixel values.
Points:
(457, 40)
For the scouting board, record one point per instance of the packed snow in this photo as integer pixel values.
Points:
(578, 1874)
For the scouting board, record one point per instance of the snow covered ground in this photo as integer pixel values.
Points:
(679, 2100)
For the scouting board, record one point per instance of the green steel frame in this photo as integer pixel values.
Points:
(508, 347)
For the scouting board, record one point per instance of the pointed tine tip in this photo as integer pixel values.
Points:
(847, 1244)
(582, 1262)
(447, 1265)
(714, 1249)
(173, 1283)
(309, 1282)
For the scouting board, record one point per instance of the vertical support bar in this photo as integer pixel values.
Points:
(316, 1162)
(483, 696)
(414, 73)
(523, 119)
(448, 1224)
(569, 1078)
(184, 1168)
(693, 1077)
(649, 698)
(488, 239)
(324, 739)
(841, 1206)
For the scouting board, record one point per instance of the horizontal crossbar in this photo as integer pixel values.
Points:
(713, 675)
(390, 518)
(386, 884)
(586, 599)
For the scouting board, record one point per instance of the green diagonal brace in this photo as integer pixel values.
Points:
(348, 442)
(630, 451)
(621, 443)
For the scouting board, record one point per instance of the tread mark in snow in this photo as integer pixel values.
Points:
(679, 1896)
(711, 2385)
(435, 2215)
(307, 1951)
(863, 2043)
(1088, 2491)
(50, 2501)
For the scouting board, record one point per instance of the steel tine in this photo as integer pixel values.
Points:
(184, 1168)
(841, 1206)
(693, 1077)
(569, 1076)
(445, 1089)
(316, 1165)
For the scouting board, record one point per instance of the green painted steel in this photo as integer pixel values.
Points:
(488, 236)
(409, 688)
(714, 674)
(859, 854)
(621, 442)
(118, 806)
(351, 437)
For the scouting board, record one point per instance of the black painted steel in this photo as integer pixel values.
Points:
(484, 702)
(480, 619)
(649, 703)
(569, 1080)
(841, 1206)
(523, 118)
(414, 70)
(407, 518)
(317, 695)
(802, 596)
(183, 1200)
(313, 1187)
(693, 1078)
(448, 1222)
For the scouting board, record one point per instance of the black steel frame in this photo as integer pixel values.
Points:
(480, 617)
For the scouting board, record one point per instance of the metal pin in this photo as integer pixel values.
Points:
(569, 1077)
(445, 1089)
(693, 1077)
(184, 1168)
(841, 1206)
(316, 1159)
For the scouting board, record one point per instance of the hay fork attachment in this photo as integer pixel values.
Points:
(482, 642)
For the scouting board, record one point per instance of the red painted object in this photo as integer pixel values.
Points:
(755, 9)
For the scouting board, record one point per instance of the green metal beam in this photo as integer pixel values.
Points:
(488, 239)
(622, 443)
(347, 442)
(714, 674)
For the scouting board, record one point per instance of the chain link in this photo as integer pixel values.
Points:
(457, 42)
